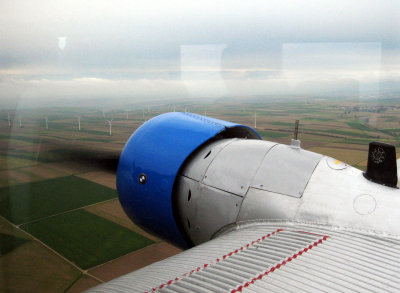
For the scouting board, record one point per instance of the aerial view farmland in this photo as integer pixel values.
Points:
(78, 78)
(61, 225)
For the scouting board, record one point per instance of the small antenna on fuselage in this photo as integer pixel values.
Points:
(295, 143)
(296, 129)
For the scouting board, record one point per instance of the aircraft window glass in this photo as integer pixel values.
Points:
(78, 78)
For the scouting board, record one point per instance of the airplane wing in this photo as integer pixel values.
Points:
(275, 257)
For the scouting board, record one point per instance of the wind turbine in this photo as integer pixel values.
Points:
(127, 114)
(255, 119)
(8, 118)
(110, 123)
(46, 119)
(79, 123)
(20, 121)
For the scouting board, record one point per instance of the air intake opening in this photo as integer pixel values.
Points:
(207, 155)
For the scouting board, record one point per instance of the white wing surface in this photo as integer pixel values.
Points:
(275, 257)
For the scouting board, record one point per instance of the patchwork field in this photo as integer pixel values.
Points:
(9, 243)
(62, 236)
(100, 177)
(134, 261)
(10, 229)
(31, 267)
(112, 211)
(27, 202)
(85, 239)
(83, 283)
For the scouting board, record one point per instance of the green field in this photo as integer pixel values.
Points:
(8, 243)
(86, 239)
(270, 134)
(31, 201)
(321, 119)
(358, 125)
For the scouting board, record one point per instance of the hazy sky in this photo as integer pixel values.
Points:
(135, 49)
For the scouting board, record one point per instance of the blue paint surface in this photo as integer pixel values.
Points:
(158, 149)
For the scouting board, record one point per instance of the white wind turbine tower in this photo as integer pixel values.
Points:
(20, 121)
(8, 118)
(255, 120)
(46, 119)
(79, 123)
(127, 114)
(110, 124)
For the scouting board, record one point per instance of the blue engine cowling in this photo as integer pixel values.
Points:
(151, 160)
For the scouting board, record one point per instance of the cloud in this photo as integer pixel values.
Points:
(75, 49)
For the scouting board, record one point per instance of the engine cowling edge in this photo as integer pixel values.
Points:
(157, 150)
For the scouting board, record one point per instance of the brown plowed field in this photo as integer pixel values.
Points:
(33, 268)
(84, 283)
(101, 177)
(134, 261)
(44, 171)
(112, 210)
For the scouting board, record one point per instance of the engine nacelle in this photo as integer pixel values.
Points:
(184, 177)
(215, 180)
(150, 163)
